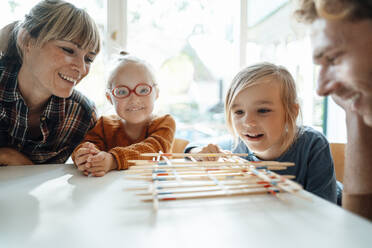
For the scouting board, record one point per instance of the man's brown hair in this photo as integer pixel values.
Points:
(351, 10)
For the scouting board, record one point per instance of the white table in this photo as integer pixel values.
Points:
(56, 206)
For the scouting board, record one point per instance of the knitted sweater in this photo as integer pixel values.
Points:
(109, 135)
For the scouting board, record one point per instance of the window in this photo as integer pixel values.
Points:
(273, 35)
(196, 48)
(193, 47)
(16, 10)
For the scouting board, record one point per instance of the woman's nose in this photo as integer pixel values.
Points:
(80, 65)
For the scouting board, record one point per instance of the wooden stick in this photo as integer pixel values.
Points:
(204, 189)
(149, 163)
(182, 170)
(200, 177)
(226, 176)
(212, 194)
(190, 184)
(216, 175)
(184, 155)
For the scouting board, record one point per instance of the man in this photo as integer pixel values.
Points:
(341, 33)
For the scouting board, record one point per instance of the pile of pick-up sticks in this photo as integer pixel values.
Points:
(190, 179)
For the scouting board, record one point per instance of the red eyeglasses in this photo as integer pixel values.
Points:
(141, 89)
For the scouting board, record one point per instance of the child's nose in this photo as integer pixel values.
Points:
(133, 97)
(250, 120)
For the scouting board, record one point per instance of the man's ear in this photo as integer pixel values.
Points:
(108, 97)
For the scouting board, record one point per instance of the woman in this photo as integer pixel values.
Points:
(42, 117)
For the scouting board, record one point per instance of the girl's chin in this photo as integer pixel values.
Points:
(137, 121)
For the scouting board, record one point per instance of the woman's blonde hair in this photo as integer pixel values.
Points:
(257, 74)
(54, 20)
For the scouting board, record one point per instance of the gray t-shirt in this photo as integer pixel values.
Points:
(310, 152)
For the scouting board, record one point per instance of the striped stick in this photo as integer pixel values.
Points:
(213, 194)
(194, 155)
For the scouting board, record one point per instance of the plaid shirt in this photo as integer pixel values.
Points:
(63, 123)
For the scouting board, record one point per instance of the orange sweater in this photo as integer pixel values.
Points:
(109, 135)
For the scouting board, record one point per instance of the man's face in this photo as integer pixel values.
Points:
(343, 49)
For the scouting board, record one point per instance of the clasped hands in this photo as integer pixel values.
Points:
(92, 161)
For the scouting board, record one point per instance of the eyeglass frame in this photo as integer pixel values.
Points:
(131, 90)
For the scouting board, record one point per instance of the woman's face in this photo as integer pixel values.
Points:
(56, 67)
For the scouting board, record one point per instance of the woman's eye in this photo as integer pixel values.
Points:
(263, 111)
(68, 50)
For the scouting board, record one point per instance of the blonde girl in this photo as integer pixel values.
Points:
(261, 110)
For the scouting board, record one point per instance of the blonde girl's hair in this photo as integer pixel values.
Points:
(124, 58)
(257, 74)
(54, 20)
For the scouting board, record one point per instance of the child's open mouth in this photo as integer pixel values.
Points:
(254, 136)
(130, 109)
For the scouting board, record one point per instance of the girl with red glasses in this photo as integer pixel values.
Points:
(132, 90)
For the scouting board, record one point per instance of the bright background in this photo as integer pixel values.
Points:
(196, 47)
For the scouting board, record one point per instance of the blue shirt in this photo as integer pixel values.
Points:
(314, 168)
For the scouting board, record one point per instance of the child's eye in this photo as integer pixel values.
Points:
(238, 112)
(144, 91)
(89, 60)
(264, 111)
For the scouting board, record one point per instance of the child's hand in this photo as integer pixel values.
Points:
(100, 164)
(210, 148)
(82, 154)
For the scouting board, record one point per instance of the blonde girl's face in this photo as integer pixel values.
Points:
(133, 109)
(258, 117)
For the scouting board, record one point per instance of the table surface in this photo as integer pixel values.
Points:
(56, 206)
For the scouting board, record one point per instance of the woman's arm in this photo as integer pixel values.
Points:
(10, 156)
